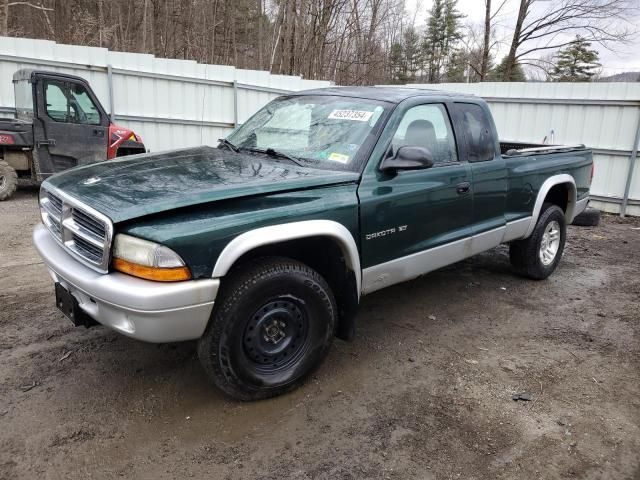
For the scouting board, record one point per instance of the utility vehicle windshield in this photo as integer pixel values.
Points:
(24, 99)
(315, 130)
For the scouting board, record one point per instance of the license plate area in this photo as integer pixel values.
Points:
(69, 306)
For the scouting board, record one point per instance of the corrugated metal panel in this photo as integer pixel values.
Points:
(603, 116)
(171, 103)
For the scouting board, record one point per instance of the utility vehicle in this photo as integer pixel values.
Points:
(59, 124)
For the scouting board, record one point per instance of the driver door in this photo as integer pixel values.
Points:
(413, 221)
(73, 129)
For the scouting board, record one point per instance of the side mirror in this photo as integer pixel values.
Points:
(408, 158)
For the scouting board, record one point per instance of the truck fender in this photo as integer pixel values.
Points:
(291, 231)
(542, 194)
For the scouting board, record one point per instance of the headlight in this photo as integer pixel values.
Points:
(149, 260)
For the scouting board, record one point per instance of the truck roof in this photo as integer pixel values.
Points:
(387, 94)
(26, 74)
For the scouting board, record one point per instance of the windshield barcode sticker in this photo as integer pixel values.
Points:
(358, 115)
(339, 157)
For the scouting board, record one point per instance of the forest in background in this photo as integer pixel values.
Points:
(350, 42)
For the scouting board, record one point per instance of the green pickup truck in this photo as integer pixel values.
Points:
(261, 248)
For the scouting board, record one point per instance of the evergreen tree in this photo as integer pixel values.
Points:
(576, 63)
(443, 33)
(413, 55)
(456, 69)
(397, 64)
(498, 73)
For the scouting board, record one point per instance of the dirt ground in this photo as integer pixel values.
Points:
(424, 392)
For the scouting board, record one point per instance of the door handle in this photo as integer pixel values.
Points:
(463, 188)
(98, 133)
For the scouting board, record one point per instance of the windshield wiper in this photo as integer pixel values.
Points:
(277, 154)
(228, 144)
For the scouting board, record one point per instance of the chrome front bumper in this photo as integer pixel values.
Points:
(145, 310)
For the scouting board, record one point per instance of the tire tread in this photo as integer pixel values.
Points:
(239, 281)
(11, 179)
(523, 254)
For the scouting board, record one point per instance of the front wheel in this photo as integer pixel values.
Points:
(538, 255)
(272, 325)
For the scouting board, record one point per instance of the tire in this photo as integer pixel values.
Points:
(8, 180)
(526, 255)
(272, 325)
(589, 218)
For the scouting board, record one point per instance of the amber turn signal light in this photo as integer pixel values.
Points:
(157, 274)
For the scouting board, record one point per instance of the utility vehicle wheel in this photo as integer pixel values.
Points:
(538, 256)
(272, 325)
(8, 180)
(589, 218)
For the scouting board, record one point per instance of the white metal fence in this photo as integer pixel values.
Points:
(603, 116)
(170, 103)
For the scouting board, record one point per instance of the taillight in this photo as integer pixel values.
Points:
(6, 139)
(593, 171)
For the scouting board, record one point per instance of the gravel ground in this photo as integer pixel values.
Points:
(424, 392)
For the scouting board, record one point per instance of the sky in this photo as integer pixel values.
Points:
(626, 58)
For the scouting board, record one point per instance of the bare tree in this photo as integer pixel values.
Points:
(347, 41)
(4, 13)
(487, 44)
(605, 22)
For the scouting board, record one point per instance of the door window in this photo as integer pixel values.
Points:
(427, 126)
(477, 132)
(56, 101)
(87, 112)
(70, 105)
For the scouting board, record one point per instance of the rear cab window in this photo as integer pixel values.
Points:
(476, 132)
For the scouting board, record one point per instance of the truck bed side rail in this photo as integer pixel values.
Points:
(513, 149)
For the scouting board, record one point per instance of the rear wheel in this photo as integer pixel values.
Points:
(8, 180)
(272, 325)
(538, 256)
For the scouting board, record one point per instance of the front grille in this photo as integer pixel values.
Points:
(85, 233)
(88, 223)
(87, 249)
(56, 203)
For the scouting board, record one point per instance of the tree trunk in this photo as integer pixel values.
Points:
(213, 33)
(100, 23)
(144, 26)
(4, 17)
(260, 43)
(487, 38)
(515, 42)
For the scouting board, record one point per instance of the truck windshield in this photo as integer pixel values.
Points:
(24, 100)
(321, 131)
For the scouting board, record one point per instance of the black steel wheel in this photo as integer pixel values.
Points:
(272, 325)
(277, 335)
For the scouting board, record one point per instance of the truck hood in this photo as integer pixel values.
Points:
(141, 185)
